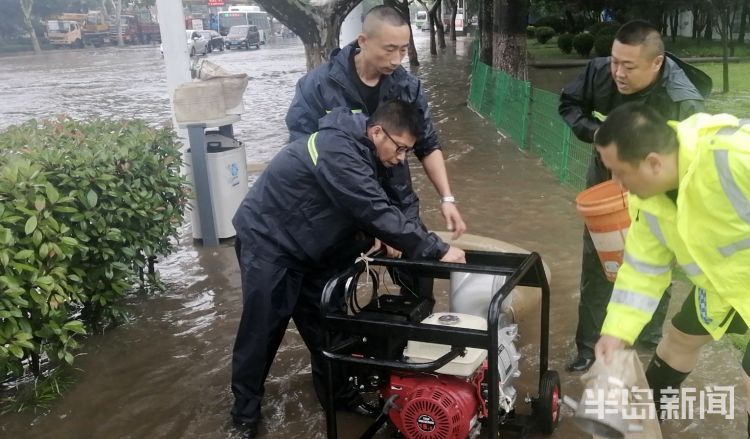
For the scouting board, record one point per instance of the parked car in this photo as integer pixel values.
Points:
(196, 43)
(242, 37)
(215, 40)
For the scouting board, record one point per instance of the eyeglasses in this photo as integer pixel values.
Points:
(399, 148)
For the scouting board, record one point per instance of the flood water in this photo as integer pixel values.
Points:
(166, 372)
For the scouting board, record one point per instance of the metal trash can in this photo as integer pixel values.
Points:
(227, 176)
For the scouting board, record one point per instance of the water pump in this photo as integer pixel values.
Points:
(449, 403)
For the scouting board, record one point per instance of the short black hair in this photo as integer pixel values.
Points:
(637, 130)
(398, 117)
(641, 32)
(387, 15)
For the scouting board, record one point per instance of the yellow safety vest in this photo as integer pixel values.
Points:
(707, 233)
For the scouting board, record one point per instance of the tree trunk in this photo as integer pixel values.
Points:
(439, 24)
(699, 22)
(726, 29)
(674, 24)
(434, 21)
(402, 6)
(509, 26)
(485, 31)
(696, 22)
(743, 22)
(413, 55)
(105, 13)
(118, 23)
(570, 22)
(454, 11)
(34, 365)
(314, 55)
(26, 6)
(432, 24)
(317, 24)
(709, 34)
(732, 16)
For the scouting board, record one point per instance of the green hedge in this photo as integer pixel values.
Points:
(565, 43)
(583, 43)
(544, 34)
(83, 205)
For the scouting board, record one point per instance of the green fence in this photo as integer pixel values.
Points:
(529, 116)
(501, 98)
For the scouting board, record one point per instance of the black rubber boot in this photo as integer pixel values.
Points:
(661, 376)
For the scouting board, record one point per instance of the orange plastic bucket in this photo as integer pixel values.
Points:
(604, 208)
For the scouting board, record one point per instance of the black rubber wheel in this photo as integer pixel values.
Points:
(547, 409)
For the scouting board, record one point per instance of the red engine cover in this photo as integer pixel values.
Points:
(432, 407)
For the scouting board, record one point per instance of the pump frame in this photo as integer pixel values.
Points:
(519, 269)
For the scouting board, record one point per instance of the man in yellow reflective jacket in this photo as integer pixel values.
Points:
(689, 186)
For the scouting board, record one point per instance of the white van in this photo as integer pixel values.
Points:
(420, 20)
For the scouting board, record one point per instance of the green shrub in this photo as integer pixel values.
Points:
(583, 43)
(565, 43)
(603, 42)
(83, 205)
(557, 23)
(530, 31)
(544, 34)
(610, 27)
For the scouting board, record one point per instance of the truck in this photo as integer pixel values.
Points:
(77, 30)
(136, 30)
(96, 29)
(65, 31)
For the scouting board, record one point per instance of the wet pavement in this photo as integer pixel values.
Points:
(166, 372)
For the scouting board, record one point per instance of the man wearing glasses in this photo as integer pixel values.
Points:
(363, 75)
(297, 226)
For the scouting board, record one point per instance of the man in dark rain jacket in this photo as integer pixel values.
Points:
(317, 194)
(638, 71)
(361, 76)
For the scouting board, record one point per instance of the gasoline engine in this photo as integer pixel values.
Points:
(450, 402)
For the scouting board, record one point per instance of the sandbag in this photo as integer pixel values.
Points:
(471, 293)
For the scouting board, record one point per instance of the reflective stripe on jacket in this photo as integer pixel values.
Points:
(707, 232)
(320, 193)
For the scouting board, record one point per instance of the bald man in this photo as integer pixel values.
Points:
(639, 70)
(362, 75)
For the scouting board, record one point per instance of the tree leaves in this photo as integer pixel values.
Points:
(92, 198)
(30, 225)
(52, 194)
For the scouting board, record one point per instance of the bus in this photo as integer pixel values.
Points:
(241, 15)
